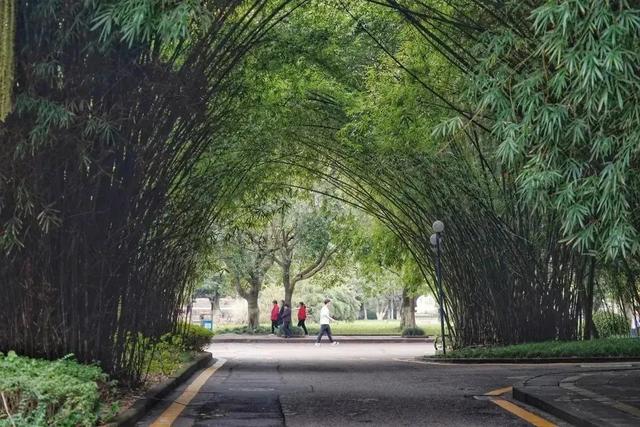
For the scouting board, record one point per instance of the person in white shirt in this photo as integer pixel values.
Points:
(325, 323)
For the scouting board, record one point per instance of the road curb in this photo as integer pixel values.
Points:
(139, 409)
(542, 360)
(519, 393)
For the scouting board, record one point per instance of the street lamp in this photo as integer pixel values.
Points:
(436, 241)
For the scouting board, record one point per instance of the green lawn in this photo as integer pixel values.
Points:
(609, 347)
(357, 327)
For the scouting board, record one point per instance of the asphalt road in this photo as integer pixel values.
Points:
(345, 385)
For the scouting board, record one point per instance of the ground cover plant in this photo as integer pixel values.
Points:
(413, 332)
(38, 392)
(243, 329)
(608, 347)
(295, 331)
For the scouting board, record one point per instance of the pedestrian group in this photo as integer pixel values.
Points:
(281, 317)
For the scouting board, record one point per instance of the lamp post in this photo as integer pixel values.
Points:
(436, 240)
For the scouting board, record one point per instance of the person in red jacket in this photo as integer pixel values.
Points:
(275, 313)
(302, 316)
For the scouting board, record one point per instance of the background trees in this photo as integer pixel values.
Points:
(306, 236)
(248, 256)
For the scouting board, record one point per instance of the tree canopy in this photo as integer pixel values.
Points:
(143, 139)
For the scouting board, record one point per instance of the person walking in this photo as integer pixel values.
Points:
(286, 321)
(275, 312)
(281, 312)
(302, 316)
(325, 323)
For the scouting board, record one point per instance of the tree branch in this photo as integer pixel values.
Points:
(314, 268)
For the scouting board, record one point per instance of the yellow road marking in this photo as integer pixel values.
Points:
(516, 410)
(173, 412)
(499, 391)
(529, 417)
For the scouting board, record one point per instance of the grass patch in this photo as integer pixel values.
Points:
(370, 327)
(357, 327)
(609, 347)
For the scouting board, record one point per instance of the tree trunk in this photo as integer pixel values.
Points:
(212, 312)
(254, 310)
(364, 309)
(215, 302)
(588, 305)
(381, 310)
(288, 294)
(286, 282)
(407, 311)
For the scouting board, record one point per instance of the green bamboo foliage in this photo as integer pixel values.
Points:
(7, 38)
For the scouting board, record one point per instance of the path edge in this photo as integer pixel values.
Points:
(531, 361)
(380, 339)
(520, 394)
(130, 416)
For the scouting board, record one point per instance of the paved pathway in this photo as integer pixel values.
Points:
(604, 395)
(348, 385)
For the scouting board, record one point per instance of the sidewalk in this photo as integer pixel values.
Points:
(609, 396)
(344, 339)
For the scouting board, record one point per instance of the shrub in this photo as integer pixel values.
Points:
(610, 324)
(167, 355)
(62, 392)
(196, 338)
(173, 350)
(606, 347)
(246, 330)
(413, 331)
(295, 331)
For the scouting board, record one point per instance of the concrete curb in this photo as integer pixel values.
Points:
(561, 394)
(542, 360)
(341, 339)
(139, 409)
(519, 393)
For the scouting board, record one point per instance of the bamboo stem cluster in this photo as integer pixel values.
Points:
(106, 192)
(7, 60)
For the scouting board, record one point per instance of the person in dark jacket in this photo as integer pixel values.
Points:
(286, 321)
(281, 312)
(302, 316)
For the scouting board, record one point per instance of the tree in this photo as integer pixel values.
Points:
(391, 268)
(213, 286)
(248, 256)
(302, 242)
